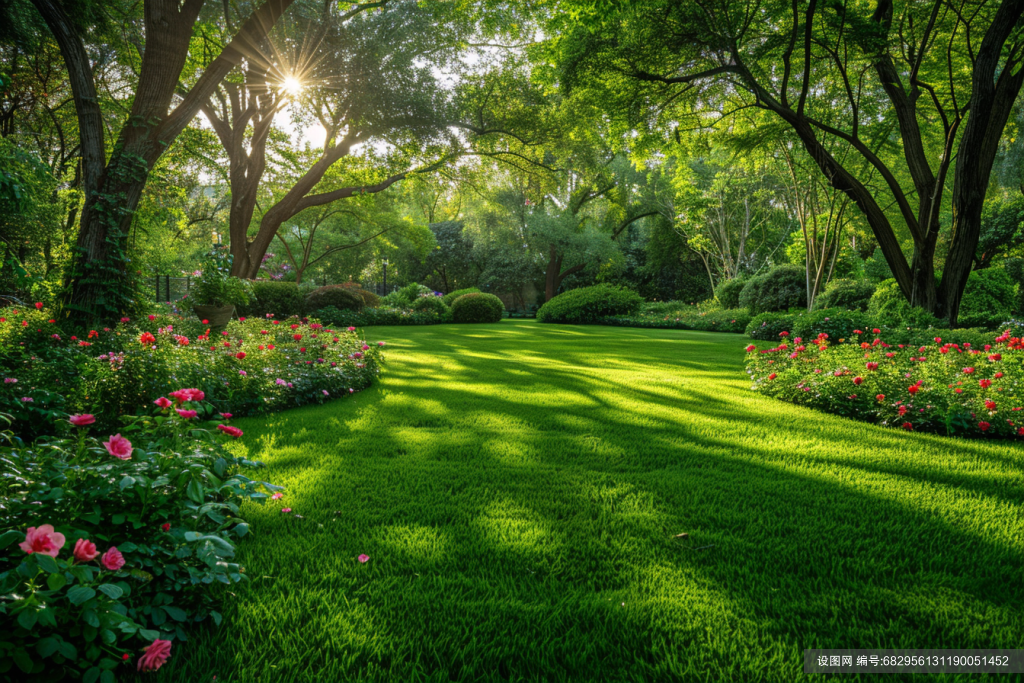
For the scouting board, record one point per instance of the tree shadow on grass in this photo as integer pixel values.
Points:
(507, 545)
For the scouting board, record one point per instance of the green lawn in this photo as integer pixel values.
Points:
(518, 488)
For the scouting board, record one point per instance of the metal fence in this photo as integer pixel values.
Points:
(167, 289)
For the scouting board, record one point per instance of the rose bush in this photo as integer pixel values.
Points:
(939, 386)
(118, 543)
(255, 366)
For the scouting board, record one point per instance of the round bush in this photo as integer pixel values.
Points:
(767, 326)
(781, 288)
(450, 297)
(370, 300)
(849, 294)
(728, 292)
(835, 322)
(587, 304)
(430, 303)
(987, 298)
(333, 295)
(281, 299)
(888, 306)
(477, 308)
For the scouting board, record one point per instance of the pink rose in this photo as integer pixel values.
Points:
(187, 414)
(155, 655)
(163, 402)
(82, 420)
(43, 540)
(230, 431)
(85, 550)
(364, 558)
(226, 416)
(112, 559)
(277, 496)
(119, 447)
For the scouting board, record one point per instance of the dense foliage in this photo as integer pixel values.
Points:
(728, 292)
(384, 315)
(845, 293)
(477, 307)
(588, 304)
(678, 316)
(779, 289)
(429, 302)
(450, 297)
(337, 296)
(941, 386)
(118, 543)
(279, 299)
(255, 366)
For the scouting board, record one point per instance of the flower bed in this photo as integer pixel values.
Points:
(255, 366)
(115, 547)
(939, 387)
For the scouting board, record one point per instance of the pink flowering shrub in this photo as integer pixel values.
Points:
(937, 386)
(141, 361)
(114, 542)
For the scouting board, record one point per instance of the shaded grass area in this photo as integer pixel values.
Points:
(518, 488)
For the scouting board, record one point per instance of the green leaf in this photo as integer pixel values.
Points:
(92, 675)
(108, 636)
(47, 563)
(27, 618)
(22, 659)
(149, 634)
(217, 618)
(56, 581)
(9, 537)
(80, 594)
(90, 617)
(195, 491)
(47, 647)
(126, 482)
(117, 519)
(242, 529)
(191, 536)
(107, 677)
(68, 650)
(110, 590)
(47, 618)
(176, 613)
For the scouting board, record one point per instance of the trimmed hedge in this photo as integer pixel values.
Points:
(368, 317)
(888, 306)
(728, 292)
(987, 299)
(685, 317)
(369, 298)
(450, 297)
(588, 304)
(280, 299)
(848, 294)
(837, 323)
(430, 303)
(780, 289)
(337, 296)
(477, 308)
(768, 326)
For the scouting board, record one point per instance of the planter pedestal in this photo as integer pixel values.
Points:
(219, 316)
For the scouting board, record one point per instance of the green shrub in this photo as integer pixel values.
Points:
(588, 304)
(728, 292)
(988, 298)
(780, 289)
(370, 299)
(430, 303)
(914, 338)
(477, 308)
(849, 294)
(837, 323)
(888, 306)
(280, 299)
(675, 315)
(333, 295)
(384, 315)
(876, 268)
(450, 297)
(767, 326)
(394, 300)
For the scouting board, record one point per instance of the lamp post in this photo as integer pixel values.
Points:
(385, 277)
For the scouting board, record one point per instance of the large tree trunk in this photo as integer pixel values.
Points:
(99, 282)
(554, 275)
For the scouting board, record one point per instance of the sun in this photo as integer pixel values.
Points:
(292, 86)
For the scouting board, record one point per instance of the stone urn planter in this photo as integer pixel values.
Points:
(218, 316)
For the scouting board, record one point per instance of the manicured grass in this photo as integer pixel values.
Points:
(518, 488)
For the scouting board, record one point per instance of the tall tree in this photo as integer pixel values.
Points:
(945, 73)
